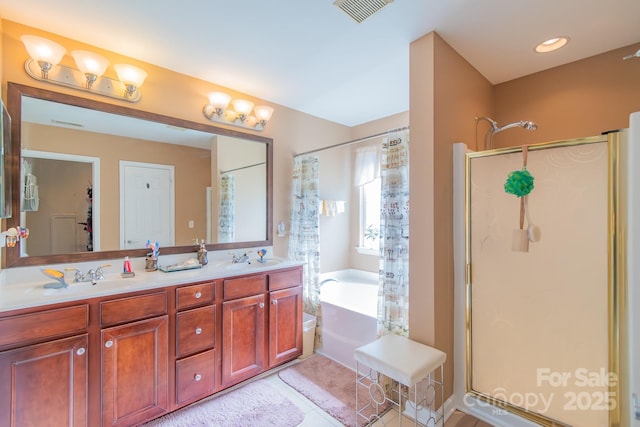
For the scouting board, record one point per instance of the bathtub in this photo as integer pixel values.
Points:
(349, 313)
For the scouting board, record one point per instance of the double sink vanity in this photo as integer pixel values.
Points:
(128, 350)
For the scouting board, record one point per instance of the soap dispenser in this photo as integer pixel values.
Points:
(202, 254)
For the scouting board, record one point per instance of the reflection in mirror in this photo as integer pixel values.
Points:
(98, 179)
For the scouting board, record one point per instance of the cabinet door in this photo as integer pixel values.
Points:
(243, 338)
(45, 384)
(135, 372)
(285, 325)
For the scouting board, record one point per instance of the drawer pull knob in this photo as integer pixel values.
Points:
(261, 305)
(198, 294)
(80, 351)
(197, 377)
(108, 344)
(274, 302)
(198, 331)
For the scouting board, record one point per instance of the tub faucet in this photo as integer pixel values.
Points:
(331, 279)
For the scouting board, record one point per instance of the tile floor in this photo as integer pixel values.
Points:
(316, 417)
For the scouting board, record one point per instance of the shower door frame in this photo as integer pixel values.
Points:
(616, 224)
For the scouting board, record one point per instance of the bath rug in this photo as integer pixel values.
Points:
(258, 404)
(330, 385)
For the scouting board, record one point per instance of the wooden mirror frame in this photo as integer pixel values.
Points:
(16, 91)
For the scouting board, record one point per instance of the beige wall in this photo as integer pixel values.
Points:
(190, 182)
(446, 94)
(178, 95)
(583, 98)
(52, 175)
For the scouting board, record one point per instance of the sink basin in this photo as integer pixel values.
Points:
(227, 265)
(236, 266)
(268, 262)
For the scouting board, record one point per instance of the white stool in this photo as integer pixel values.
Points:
(406, 363)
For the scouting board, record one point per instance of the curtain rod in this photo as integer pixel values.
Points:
(243, 167)
(353, 141)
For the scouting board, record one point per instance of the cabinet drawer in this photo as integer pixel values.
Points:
(195, 330)
(133, 308)
(195, 377)
(285, 279)
(193, 295)
(42, 325)
(244, 286)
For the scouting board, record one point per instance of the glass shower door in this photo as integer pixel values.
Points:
(541, 315)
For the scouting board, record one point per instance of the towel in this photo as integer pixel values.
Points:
(331, 207)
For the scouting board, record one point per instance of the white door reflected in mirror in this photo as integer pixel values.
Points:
(147, 204)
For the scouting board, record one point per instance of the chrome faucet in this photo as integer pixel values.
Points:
(90, 276)
(237, 259)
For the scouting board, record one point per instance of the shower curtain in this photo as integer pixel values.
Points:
(304, 236)
(226, 221)
(393, 292)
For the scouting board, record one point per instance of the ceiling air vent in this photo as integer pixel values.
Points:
(359, 10)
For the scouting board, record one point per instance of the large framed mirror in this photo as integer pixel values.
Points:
(94, 180)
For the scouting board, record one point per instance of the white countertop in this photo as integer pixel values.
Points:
(24, 287)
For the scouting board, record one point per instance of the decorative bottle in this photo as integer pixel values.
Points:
(202, 254)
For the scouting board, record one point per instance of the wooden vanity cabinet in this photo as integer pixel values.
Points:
(243, 328)
(285, 316)
(135, 359)
(43, 377)
(126, 359)
(248, 349)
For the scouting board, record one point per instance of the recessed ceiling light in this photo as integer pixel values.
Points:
(552, 44)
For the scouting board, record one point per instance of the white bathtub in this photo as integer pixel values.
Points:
(349, 313)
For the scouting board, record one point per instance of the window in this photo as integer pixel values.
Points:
(370, 215)
(367, 179)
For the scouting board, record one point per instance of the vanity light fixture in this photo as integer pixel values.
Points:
(43, 65)
(91, 64)
(217, 110)
(45, 52)
(132, 77)
(552, 44)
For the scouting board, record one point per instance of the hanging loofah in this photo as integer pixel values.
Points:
(519, 183)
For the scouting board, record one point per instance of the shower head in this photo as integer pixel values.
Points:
(525, 124)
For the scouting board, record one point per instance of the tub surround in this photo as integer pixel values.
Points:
(349, 313)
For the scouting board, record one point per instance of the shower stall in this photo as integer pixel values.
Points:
(542, 320)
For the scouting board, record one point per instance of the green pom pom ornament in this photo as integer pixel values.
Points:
(519, 183)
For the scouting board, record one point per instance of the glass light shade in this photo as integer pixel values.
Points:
(251, 121)
(43, 50)
(89, 62)
(219, 100)
(130, 75)
(263, 113)
(229, 115)
(242, 106)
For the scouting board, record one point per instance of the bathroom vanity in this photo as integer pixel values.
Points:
(124, 358)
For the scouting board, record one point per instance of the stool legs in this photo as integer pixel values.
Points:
(426, 406)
